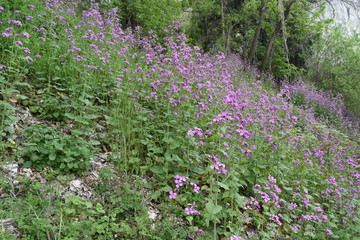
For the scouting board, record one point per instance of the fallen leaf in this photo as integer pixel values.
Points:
(13, 100)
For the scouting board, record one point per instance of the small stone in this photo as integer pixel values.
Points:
(152, 214)
(28, 172)
(75, 185)
(9, 225)
(12, 168)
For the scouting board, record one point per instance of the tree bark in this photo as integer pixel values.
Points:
(223, 22)
(270, 47)
(251, 53)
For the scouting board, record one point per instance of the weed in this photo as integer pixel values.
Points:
(48, 147)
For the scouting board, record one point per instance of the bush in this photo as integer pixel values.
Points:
(48, 147)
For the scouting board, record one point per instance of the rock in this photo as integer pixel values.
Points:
(152, 214)
(12, 168)
(9, 225)
(75, 185)
(7, 222)
(28, 172)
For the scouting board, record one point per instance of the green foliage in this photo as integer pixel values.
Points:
(50, 107)
(10, 94)
(48, 147)
(334, 65)
(205, 27)
(153, 15)
(240, 21)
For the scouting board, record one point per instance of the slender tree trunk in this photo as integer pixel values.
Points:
(270, 47)
(228, 38)
(223, 22)
(283, 27)
(251, 53)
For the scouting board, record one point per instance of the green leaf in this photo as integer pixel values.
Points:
(212, 208)
(99, 208)
(189, 218)
(215, 136)
(52, 156)
(157, 169)
(58, 146)
(168, 140)
(224, 186)
(94, 142)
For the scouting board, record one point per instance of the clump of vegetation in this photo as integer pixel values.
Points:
(47, 147)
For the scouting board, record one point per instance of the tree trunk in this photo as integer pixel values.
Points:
(223, 22)
(283, 27)
(270, 47)
(228, 38)
(251, 53)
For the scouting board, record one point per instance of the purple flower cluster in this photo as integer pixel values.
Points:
(191, 209)
(181, 181)
(276, 218)
(252, 204)
(218, 166)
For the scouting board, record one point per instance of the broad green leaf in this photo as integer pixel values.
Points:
(224, 186)
(212, 208)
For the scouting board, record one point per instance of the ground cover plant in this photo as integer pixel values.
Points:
(204, 139)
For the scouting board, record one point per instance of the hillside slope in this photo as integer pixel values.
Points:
(109, 135)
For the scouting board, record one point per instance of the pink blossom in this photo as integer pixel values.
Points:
(191, 209)
(29, 58)
(172, 194)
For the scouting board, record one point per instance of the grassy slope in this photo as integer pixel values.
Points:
(201, 140)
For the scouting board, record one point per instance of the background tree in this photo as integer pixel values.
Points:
(150, 14)
(247, 27)
(251, 53)
(335, 65)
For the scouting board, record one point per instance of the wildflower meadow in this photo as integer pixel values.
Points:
(206, 140)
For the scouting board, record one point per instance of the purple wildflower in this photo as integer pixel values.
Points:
(179, 180)
(78, 58)
(235, 237)
(6, 35)
(172, 195)
(219, 167)
(195, 187)
(191, 209)
(29, 58)
(292, 206)
(295, 228)
(276, 218)
(196, 131)
(328, 232)
(271, 179)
